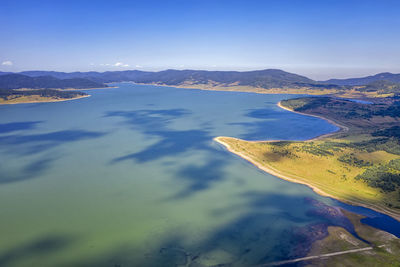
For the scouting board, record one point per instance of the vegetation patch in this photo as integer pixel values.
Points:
(385, 177)
(353, 161)
(389, 132)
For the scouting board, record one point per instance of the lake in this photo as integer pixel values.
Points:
(131, 176)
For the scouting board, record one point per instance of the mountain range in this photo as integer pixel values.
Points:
(267, 79)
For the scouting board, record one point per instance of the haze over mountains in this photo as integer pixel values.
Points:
(269, 78)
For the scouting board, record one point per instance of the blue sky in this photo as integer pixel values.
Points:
(320, 39)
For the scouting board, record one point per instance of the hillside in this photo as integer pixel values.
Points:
(269, 78)
(386, 76)
(381, 85)
(17, 81)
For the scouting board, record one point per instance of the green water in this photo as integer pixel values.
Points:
(131, 177)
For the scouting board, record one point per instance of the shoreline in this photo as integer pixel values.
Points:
(267, 169)
(342, 128)
(270, 91)
(316, 189)
(243, 89)
(88, 89)
(46, 101)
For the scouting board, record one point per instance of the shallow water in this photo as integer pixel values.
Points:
(132, 177)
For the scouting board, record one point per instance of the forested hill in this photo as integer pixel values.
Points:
(270, 78)
(17, 81)
(384, 76)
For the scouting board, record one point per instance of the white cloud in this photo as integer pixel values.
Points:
(7, 63)
(120, 64)
(92, 64)
(138, 66)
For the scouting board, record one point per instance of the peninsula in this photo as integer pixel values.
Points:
(359, 164)
(18, 88)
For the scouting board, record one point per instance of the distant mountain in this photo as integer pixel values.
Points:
(270, 78)
(386, 76)
(103, 77)
(3, 73)
(16, 81)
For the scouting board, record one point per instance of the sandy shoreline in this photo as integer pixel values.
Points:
(299, 180)
(269, 170)
(46, 101)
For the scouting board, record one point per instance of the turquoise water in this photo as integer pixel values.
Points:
(131, 177)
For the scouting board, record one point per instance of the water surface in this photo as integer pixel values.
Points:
(131, 177)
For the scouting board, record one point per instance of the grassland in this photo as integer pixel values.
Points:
(359, 164)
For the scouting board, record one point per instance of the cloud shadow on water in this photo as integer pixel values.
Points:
(200, 177)
(148, 120)
(18, 126)
(171, 142)
(261, 128)
(36, 143)
(258, 236)
(19, 146)
(29, 171)
(41, 247)
(156, 123)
